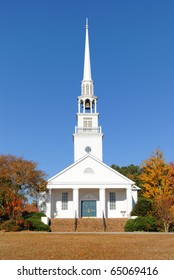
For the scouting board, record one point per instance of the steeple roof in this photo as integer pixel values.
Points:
(87, 63)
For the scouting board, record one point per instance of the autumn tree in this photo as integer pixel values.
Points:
(19, 179)
(164, 209)
(11, 203)
(156, 176)
(171, 175)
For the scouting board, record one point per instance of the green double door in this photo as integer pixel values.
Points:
(88, 208)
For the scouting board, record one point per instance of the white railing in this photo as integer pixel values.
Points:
(88, 130)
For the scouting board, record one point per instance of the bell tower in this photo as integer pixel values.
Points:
(88, 135)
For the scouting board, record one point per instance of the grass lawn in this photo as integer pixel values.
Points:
(52, 246)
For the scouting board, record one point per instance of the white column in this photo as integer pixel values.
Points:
(79, 106)
(49, 204)
(129, 200)
(102, 202)
(91, 105)
(95, 106)
(76, 202)
(84, 106)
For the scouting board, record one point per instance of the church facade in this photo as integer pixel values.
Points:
(89, 187)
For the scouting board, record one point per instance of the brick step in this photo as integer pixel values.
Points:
(88, 225)
(62, 225)
(115, 225)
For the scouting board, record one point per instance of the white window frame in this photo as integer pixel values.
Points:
(87, 122)
(64, 201)
(112, 201)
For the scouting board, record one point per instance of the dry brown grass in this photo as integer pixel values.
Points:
(52, 246)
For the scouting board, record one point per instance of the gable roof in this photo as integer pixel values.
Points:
(89, 170)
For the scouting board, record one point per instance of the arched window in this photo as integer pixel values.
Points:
(88, 170)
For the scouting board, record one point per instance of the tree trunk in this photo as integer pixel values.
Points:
(166, 227)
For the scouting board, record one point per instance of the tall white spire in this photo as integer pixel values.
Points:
(87, 86)
(87, 63)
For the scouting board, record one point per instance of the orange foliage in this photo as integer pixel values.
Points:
(164, 208)
(19, 179)
(156, 176)
(17, 172)
(171, 174)
(30, 208)
(12, 204)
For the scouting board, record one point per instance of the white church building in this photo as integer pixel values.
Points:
(89, 187)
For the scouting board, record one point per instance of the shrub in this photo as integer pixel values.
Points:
(143, 207)
(36, 215)
(28, 225)
(36, 225)
(30, 221)
(10, 225)
(171, 228)
(33, 222)
(147, 223)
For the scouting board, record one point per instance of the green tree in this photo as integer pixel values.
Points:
(131, 171)
(143, 207)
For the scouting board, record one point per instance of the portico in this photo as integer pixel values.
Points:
(90, 202)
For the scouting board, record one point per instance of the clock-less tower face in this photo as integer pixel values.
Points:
(88, 142)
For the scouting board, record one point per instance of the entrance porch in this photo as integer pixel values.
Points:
(90, 203)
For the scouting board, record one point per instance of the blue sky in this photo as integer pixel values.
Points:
(41, 68)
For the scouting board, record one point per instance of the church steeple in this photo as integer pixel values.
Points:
(87, 62)
(88, 134)
(87, 85)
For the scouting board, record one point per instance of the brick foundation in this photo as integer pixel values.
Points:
(88, 225)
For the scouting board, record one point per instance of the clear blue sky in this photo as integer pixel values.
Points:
(41, 68)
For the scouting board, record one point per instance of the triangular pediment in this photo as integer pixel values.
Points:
(87, 171)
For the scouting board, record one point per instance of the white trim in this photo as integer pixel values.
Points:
(90, 183)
